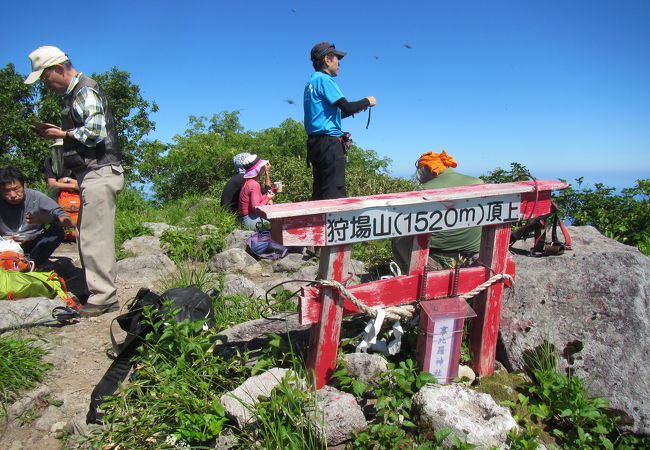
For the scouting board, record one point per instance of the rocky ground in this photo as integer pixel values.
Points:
(40, 418)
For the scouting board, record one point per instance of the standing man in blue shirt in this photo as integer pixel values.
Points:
(325, 105)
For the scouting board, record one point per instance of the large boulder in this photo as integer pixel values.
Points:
(592, 304)
(472, 416)
(142, 245)
(235, 260)
(240, 403)
(27, 310)
(337, 417)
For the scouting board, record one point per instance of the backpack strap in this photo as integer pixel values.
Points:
(121, 366)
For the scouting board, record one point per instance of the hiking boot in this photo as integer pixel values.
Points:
(92, 310)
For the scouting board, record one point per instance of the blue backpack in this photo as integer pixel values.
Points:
(261, 245)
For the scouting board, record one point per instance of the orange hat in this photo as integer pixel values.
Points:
(436, 162)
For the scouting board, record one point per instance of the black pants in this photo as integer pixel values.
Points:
(41, 248)
(327, 158)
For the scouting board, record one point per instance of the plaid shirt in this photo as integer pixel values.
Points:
(88, 105)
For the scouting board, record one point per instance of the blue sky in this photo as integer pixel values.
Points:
(560, 86)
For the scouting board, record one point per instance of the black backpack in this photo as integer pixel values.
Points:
(540, 226)
(193, 303)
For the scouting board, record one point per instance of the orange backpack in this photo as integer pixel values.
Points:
(70, 202)
(16, 262)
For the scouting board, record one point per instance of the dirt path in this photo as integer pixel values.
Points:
(79, 359)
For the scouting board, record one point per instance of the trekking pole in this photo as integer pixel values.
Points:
(61, 314)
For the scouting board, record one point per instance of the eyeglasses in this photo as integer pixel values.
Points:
(45, 71)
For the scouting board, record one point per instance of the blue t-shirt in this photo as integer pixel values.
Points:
(321, 115)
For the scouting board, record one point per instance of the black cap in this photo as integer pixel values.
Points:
(323, 49)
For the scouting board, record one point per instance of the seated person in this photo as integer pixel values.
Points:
(24, 214)
(251, 195)
(436, 171)
(230, 194)
(58, 178)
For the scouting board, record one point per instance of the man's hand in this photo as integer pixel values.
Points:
(372, 100)
(68, 183)
(48, 130)
(40, 217)
(67, 222)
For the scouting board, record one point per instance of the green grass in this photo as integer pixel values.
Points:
(21, 367)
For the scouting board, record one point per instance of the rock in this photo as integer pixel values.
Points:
(209, 228)
(50, 416)
(252, 335)
(234, 260)
(144, 270)
(306, 273)
(158, 228)
(240, 285)
(339, 416)
(237, 239)
(239, 402)
(472, 416)
(466, 372)
(365, 366)
(290, 263)
(142, 245)
(24, 404)
(27, 310)
(591, 303)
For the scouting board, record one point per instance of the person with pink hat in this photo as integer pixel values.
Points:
(251, 195)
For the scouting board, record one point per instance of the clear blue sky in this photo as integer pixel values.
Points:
(561, 86)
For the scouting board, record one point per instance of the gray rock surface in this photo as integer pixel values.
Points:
(240, 285)
(237, 239)
(158, 228)
(142, 271)
(143, 245)
(339, 416)
(16, 312)
(235, 260)
(592, 303)
(252, 335)
(291, 263)
(239, 402)
(365, 366)
(472, 416)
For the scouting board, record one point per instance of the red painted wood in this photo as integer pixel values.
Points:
(283, 210)
(487, 305)
(324, 335)
(419, 253)
(295, 224)
(301, 230)
(393, 291)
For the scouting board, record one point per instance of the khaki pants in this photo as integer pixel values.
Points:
(96, 231)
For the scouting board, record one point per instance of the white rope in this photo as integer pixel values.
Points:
(406, 311)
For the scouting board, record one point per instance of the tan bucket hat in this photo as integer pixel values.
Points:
(42, 58)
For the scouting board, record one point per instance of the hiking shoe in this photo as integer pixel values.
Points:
(92, 310)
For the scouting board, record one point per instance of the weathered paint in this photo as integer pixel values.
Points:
(324, 336)
(295, 224)
(304, 224)
(283, 210)
(483, 338)
(395, 291)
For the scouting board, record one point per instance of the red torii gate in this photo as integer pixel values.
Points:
(335, 224)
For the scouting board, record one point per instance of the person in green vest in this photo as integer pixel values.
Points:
(446, 248)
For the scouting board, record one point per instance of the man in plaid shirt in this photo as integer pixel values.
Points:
(91, 149)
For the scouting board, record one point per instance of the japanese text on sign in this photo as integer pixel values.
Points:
(395, 221)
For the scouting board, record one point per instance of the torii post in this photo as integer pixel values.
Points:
(334, 225)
